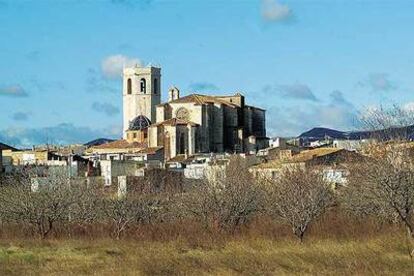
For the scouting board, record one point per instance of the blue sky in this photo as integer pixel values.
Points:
(309, 63)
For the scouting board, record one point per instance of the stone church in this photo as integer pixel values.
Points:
(191, 124)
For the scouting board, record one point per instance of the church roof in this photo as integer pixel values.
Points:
(175, 121)
(200, 99)
(138, 123)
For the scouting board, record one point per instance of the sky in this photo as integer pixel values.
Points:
(309, 63)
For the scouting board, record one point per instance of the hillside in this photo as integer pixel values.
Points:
(98, 142)
(319, 133)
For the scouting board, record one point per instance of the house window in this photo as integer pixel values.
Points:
(135, 135)
(129, 86)
(143, 86)
(155, 86)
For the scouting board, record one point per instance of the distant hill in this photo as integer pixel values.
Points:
(319, 133)
(98, 142)
(6, 147)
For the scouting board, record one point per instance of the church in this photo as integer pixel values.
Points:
(190, 124)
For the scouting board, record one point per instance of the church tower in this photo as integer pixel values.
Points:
(141, 93)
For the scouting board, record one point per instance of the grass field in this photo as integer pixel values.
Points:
(385, 255)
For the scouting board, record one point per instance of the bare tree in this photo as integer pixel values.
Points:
(226, 201)
(298, 197)
(87, 209)
(121, 213)
(387, 123)
(384, 187)
(43, 208)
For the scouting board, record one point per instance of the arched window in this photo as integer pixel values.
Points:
(143, 86)
(155, 86)
(129, 86)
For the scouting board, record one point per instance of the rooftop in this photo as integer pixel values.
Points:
(139, 123)
(152, 150)
(200, 99)
(307, 155)
(121, 144)
(303, 156)
(174, 122)
(271, 164)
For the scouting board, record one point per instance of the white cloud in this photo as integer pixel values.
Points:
(20, 116)
(273, 10)
(203, 86)
(379, 82)
(112, 66)
(13, 91)
(106, 108)
(297, 91)
(337, 98)
(337, 113)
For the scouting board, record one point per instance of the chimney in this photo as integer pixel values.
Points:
(173, 94)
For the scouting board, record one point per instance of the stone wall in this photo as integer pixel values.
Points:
(217, 128)
(259, 123)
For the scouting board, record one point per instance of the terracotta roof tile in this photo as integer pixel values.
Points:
(307, 155)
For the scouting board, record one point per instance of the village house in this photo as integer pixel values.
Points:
(125, 149)
(6, 162)
(330, 161)
(33, 157)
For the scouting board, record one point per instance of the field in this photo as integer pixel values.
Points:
(385, 254)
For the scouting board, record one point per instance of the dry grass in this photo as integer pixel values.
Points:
(385, 255)
(335, 245)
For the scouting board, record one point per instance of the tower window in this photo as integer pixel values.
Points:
(155, 86)
(129, 86)
(143, 86)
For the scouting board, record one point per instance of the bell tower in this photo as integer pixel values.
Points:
(141, 93)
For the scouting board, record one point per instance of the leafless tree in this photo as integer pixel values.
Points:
(385, 123)
(226, 201)
(87, 209)
(121, 213)
(384, 187)
(49, 204)
(298, 197)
